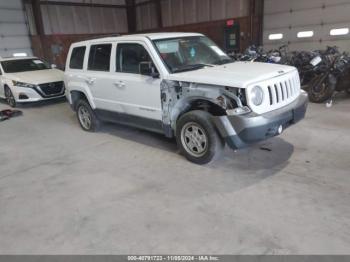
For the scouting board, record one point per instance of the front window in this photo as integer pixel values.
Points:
(130, 56)
(190, 53)
(23, 65)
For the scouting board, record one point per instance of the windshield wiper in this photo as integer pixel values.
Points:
(224, 61)
(190, 67)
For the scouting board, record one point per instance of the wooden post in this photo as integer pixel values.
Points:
(131, 15)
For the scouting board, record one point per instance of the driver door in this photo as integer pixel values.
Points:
(139, 94)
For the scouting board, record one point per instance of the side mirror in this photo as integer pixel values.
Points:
(148, 69)
(53, 66)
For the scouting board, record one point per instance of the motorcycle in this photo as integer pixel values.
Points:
(332, 67)
(257, 54)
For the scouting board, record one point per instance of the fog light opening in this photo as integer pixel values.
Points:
(23, 96)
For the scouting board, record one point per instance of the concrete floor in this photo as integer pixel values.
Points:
(126, 191)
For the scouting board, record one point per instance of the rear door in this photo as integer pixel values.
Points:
(100, 78)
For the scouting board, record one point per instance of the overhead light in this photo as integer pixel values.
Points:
(275, 36)
(305, 34)
(339, 31)
(19, 54)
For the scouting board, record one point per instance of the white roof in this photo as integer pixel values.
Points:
(152, 36)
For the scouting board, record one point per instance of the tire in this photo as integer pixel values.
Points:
(320, 93)
(10, 99)
(197, 137)
(86, 116)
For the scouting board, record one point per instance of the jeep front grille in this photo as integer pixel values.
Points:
(284, 89)
(278, 92)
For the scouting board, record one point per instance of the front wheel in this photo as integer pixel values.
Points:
(197, 138)
(320, 92)
(87, 117)
(10, 99)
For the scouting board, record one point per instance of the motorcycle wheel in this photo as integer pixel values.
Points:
(320, 93)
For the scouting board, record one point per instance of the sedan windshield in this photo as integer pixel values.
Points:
(190, 53)
(23, 65)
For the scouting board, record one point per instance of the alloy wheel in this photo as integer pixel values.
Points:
(10, 99)
(194, 139)
(84, 117)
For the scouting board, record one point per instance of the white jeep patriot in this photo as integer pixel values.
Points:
(181, 85)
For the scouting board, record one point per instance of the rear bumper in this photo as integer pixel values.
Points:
(240, 131)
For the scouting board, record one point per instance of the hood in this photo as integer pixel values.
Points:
(237, 74)
(37, 77)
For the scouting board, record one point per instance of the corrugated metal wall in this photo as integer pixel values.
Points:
(65, 24)
(180, 12)
(60, 19)
(14, 35)
(146, 17)
(290, 17)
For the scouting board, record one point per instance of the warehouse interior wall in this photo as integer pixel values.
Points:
(182, 12)
(316, 18)
(14, 33)
(65, 22)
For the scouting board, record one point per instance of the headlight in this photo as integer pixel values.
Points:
(257, 95)
(21, 84)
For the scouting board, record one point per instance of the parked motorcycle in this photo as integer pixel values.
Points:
(322, 72)
(256, 54)
(306, 63)
(329, 73)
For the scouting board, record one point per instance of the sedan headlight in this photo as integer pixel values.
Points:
(257, 95)
(21, 84)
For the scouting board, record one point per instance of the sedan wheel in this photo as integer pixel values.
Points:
(10, 99)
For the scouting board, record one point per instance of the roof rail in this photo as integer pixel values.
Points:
(103, 36)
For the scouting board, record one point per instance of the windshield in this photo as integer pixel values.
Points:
(17, 66)
(190, 53)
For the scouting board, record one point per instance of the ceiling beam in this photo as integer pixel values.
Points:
(81, 4)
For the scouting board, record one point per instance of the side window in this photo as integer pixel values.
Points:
(129, 57)
(99, 57)
(77, 58)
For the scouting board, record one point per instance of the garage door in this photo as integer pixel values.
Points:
(307, 25)
(14, 36)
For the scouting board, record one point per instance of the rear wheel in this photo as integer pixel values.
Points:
(86, 116)
(10, 99)
(320, 92)
(197, 138)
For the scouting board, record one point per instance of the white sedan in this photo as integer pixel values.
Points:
(29, 79)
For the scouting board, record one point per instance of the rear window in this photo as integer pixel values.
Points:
(77, 58)
(99, 57)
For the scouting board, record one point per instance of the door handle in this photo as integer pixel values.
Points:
(120, 84)
(90, 81)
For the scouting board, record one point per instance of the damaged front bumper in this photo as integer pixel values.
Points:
(240, 131)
